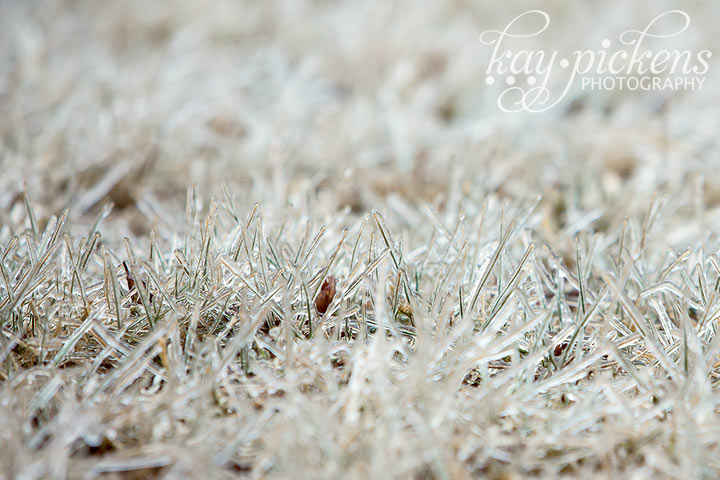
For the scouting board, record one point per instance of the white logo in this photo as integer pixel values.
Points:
(631, 66)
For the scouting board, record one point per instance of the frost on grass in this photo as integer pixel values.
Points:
(377, 276)
(473, 349)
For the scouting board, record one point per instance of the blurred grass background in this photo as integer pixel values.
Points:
(133, 101)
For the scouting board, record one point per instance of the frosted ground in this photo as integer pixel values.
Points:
(517, 295)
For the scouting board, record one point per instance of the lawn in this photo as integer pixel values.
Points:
(300, 239)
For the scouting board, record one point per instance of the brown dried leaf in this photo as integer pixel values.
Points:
(327, 292)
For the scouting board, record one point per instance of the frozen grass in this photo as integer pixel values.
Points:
(530, 297)
(475, 350)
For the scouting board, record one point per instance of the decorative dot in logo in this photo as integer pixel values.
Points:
(489, 79)
(531, 80)
(510, 80)
(605, 43)
(564, 63)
